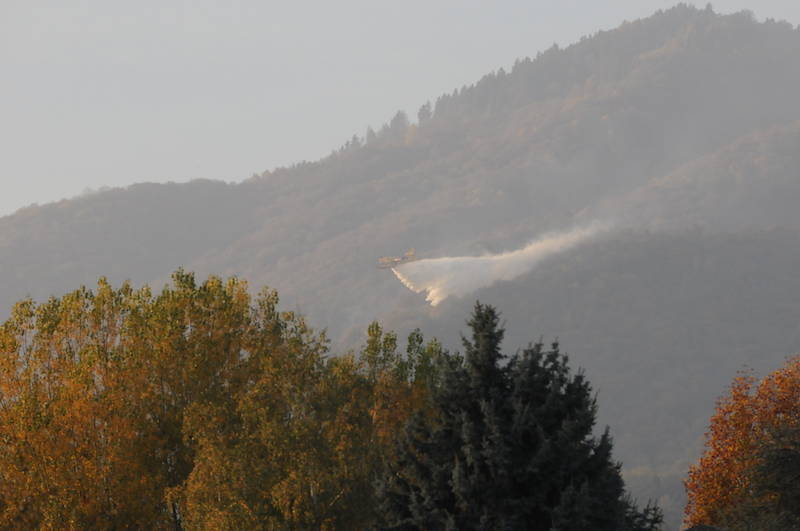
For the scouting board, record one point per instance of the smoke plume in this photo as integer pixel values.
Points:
(458, 275)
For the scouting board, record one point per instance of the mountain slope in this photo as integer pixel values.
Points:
(497, 163)
(751, 182)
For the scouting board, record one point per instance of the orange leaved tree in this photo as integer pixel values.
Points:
(727, 486)
(201, 407)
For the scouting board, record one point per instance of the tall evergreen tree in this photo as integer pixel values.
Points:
(510, 447)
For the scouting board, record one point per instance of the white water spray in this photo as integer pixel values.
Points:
(458, 275)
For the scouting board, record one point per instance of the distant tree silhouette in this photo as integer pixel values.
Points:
(424, 114)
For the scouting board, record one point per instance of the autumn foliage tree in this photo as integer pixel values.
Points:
(750, 465)
(200, 407)
(302, 444)
(71, 453)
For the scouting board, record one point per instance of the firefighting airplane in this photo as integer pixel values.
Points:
(388, 262)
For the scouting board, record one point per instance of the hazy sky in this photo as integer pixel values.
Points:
(111, 92)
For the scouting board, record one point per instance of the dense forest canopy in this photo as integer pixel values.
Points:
(680, 129)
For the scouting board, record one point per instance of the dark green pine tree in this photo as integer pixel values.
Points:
(510, 447)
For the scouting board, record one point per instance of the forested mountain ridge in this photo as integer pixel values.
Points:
(726, 189)
(684, 124)
(487, 168)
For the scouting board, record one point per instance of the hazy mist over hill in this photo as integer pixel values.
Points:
(633, 194)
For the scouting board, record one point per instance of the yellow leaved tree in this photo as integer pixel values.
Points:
(201, 407)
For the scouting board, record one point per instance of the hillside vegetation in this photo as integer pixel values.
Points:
(202, 407)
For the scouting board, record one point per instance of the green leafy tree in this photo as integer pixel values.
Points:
(509, 447)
